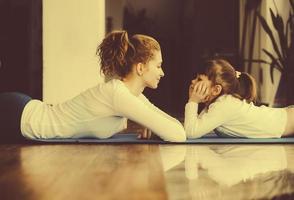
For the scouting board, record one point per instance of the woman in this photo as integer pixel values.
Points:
(102, 111)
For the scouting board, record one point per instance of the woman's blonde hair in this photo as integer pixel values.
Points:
(118, 53)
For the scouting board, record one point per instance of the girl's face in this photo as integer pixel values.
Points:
(208, 83)
(213, 90)
(153, 72)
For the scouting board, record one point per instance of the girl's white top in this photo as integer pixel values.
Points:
(237, 117)
(98, 112)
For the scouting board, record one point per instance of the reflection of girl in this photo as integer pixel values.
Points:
(234, 164)
(238, 172)
(228, 172)
(229, 98)
(103, 110)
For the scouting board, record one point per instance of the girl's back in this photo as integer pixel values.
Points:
(242, 119)
(229, 96)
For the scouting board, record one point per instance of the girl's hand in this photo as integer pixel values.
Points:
(191, 87)
(145, 134)
(198, 91)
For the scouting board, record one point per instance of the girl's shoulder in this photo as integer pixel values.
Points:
(228, 98)
(226, 102)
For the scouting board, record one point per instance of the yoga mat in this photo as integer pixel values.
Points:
(131, 138)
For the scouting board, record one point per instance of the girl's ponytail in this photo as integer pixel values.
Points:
(247, 87)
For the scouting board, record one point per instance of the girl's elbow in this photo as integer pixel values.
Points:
(191, 134)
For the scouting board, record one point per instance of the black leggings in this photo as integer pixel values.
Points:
(11, 107)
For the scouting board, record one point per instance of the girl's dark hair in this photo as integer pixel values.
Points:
(221, 72)
(118, 53)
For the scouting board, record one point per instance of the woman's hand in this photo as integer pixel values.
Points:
(145, 134)
(198, 91)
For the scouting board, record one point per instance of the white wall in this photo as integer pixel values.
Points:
(72, 29)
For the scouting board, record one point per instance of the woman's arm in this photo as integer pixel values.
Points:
(135, 109)
(153, 107)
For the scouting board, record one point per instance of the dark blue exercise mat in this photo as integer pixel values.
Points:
(131, 138)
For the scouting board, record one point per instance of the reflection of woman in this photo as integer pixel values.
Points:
(172, 155)
(51, 172)
(101, 111)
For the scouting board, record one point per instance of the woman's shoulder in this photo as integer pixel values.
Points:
(115, 83)
(110, 85)
(101, 90)
(116, 88)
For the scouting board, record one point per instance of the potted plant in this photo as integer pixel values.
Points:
(283, 59)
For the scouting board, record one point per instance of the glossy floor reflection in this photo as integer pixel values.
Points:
(91, 171)
(229, 171)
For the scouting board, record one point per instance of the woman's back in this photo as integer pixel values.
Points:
(90, 113)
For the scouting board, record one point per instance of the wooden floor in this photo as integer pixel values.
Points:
(81, 171)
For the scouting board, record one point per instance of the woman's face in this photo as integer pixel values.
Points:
(154, 72)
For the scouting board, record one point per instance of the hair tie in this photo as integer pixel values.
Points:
(238, 74)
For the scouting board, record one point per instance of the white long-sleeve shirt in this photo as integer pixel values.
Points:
(98, 112)
(237, 117)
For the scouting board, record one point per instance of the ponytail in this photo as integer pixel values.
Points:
(115, 53)
(118, 53)
(247, 87)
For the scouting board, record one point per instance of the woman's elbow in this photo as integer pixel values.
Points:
(179, 135)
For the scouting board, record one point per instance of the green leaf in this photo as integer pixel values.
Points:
(272, 66)
(274, 18)
(292, 4)
(264, 24)
(279, 26)
(288, 25)
(291, 34)
(267, 29)
(256, 61)
(277, 64)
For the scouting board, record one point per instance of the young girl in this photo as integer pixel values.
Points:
(102, 111)
(229, 98)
